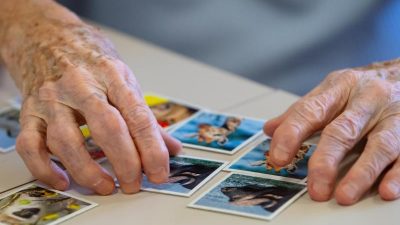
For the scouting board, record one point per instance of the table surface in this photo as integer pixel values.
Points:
(168, 73)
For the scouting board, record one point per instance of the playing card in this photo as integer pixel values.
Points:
(256, 160)
(187, 174)
(9, 128)
(35, 204)
(249, 196)
(217, 132)
(169, 112)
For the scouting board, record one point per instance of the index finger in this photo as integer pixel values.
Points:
(306, 117)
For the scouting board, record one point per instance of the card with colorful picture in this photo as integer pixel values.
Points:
(218, 132)
(187, 175)
(250, 196)
(256, 160)
(34, 204)
(169, 112)
(9, 128)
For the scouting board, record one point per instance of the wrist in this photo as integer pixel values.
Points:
(24, 25)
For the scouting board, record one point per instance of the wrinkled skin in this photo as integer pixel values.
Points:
(70, 75)
(347, 106)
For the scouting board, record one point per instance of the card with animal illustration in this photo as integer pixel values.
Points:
(169, 112)
(218, 132)
(187, 174)
(9, 128)
(256, 160)
(33, 204)
(250, 196)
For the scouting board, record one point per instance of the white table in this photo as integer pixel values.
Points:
(167, 73)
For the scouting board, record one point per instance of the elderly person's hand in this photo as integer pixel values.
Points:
(347, 106)
(70, 75)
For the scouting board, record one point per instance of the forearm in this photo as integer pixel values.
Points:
(20, 20)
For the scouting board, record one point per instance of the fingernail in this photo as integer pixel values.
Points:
(159, 175)
(322, 188)
(61, 185)
(103, 187)
(131, 187)
(350, 190)
(394, 188)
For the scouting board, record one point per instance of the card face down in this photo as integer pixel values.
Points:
(256, 160)
(217, 132)
(249, 196)
(34, 204)
(9, 128)
(169, 112)
(187, 174)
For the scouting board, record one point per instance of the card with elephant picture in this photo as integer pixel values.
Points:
(187, 175)
(168, 111)
(249, 196)
(218, 132)
(256, 160)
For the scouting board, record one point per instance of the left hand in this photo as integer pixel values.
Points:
(347, 106)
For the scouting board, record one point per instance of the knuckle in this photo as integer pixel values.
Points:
(344, 130)
(64, 143)
(314, 109)
(328, 159)
(113, 122)
(141, 119)
(23, 146)
(380, 88)
(94, 100)
(368, 171)
(345, 76)
(386, 144)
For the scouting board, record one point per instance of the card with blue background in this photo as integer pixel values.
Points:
(218, 132)
(249, 196)
(256, 160)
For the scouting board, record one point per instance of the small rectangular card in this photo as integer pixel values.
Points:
(34, 204)
(256, 161)
(169, 112)
(217, 132)
(9, 128)
(187, 175)
(250, 196)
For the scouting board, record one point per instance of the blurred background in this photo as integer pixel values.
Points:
(287, 44)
